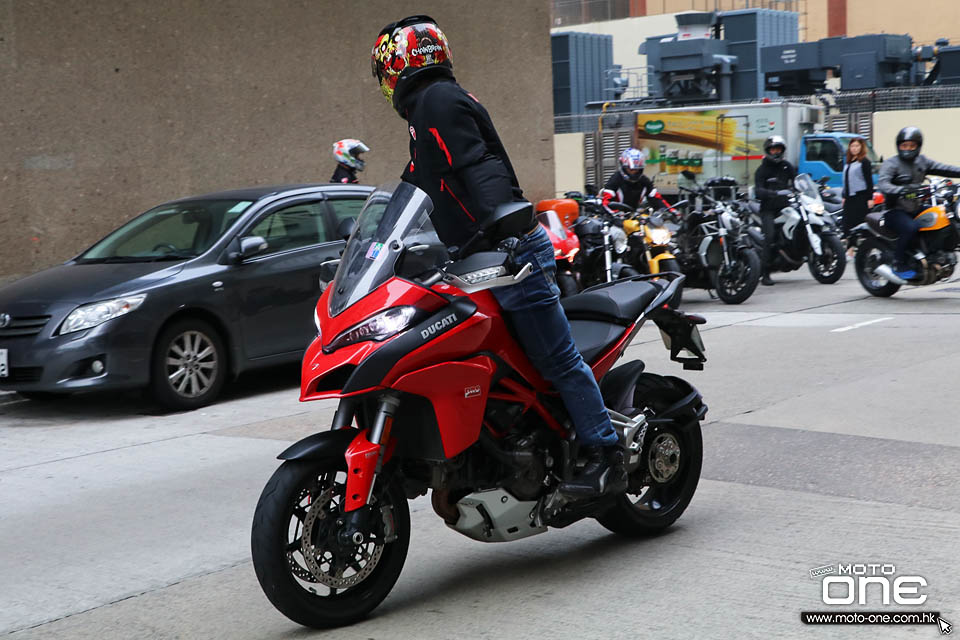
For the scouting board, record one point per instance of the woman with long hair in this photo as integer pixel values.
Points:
(857, 185)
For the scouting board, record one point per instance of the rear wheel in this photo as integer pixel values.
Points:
(305, 569)
(829, 266)
(664, 483)
(872, 254)
(737, 282)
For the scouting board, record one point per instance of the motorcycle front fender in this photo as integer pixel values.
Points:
(321, 446)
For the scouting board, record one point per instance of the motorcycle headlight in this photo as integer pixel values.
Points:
(619, 239)
(385, 324)
(92, 315)
(316, 321)
(659, 236)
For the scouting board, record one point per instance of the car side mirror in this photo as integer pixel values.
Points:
(346, 227)
(251, 246)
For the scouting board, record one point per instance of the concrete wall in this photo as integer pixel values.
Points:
(568, 162)
(109, 108)
(939, 132)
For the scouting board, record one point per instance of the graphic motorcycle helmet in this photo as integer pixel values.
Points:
(909, 134)
(774, 141)
(348, 150)
(631, 164)
(408, 51)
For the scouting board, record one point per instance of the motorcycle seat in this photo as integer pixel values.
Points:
(875, 222)
(619, 303)
(594, 337)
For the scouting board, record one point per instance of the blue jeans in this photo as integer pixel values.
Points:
(533, 308)
(906, 228)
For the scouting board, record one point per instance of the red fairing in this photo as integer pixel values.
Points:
(606, 360)
(361, 458)
(458, 392)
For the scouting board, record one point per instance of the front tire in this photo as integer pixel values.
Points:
(189, 365)
(871, 254)
(662, 486)
(305, 498)
(829, 266)
(742, 279)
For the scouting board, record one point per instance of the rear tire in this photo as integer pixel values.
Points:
(870, 254)
(652, 504)
(740, 285)
(282, 569)
(829, 266)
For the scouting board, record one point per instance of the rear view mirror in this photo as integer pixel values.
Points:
(510, 219)
(328, 270)
(346, 227)
(251, 246)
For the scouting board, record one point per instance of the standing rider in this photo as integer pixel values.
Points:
(457, 158)
(628, 185)
(900, 180)
(773, 184)
(347, 154)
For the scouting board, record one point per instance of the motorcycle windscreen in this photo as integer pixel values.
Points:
(395, 217)
(807, 187)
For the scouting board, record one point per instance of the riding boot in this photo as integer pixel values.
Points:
(766, 279)
(602, 474)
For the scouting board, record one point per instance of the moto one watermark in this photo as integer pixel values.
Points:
(871, 584)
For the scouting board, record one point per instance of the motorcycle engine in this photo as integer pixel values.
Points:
(526, 481)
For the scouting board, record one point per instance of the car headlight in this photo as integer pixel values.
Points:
(91, 315)
(385, 324)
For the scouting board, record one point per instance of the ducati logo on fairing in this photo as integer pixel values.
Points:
(438, 326)
(472, 392)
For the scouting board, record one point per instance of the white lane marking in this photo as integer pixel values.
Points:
(860, 324)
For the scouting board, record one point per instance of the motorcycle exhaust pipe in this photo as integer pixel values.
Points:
(887, 272)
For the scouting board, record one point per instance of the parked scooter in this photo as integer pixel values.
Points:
(934, 248)
(435, 394)
(716, 252)
(805, 234)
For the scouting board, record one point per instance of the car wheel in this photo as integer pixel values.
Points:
(189, 365)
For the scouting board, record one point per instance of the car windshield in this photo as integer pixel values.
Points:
(393, 237)
(176, 231)
(806, 186)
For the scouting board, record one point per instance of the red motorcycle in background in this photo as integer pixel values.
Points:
(436, 394)
(566, 243)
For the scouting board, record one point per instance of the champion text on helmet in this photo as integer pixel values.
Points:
(408, 49)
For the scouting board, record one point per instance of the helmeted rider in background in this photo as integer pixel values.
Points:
(901, 178)
(457, 158)
(773, 183)
(347, 154)
(628, 185)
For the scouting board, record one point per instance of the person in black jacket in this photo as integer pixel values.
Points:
(628, 185)
(457, 158)
(347, 154)
(773, 182)
(857, 185)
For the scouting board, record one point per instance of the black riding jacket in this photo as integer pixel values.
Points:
(772, 176)
(457, 158)
(344, 174)
(897, 176)
(629, 193)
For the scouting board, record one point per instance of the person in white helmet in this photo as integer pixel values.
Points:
(347, 154)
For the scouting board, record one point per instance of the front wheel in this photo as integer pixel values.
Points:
(872, 254)
(829, 266)
(305, 569)
(661, 487)
(736, 282)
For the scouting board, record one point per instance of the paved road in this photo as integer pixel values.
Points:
(832, 437)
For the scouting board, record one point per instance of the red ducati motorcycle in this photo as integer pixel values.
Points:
(435, 394)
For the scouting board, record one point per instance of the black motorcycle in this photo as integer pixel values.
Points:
(715, 248)
(603, 244)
